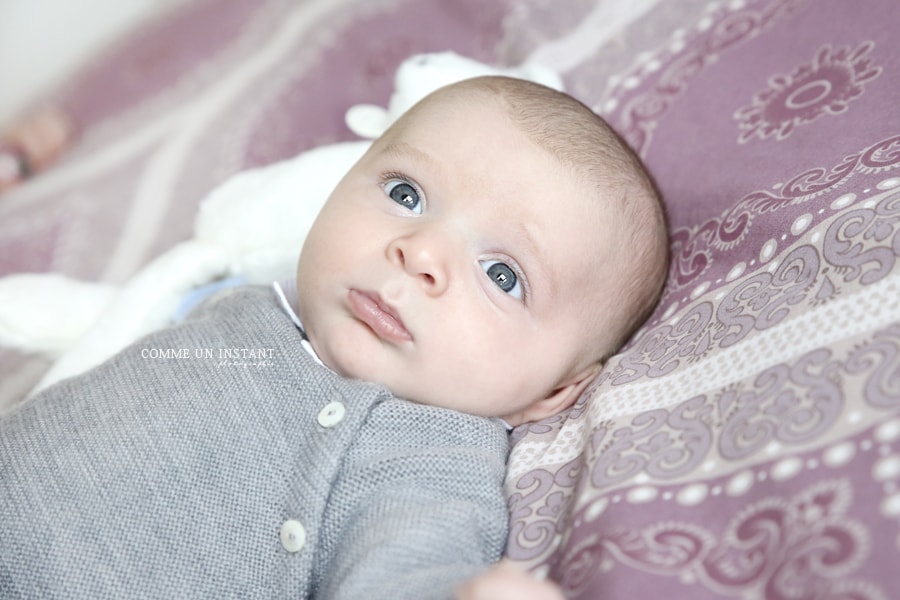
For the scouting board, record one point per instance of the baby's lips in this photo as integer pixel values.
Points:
(380, 317)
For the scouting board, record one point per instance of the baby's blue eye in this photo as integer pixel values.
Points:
(404, 194)
(503, 276)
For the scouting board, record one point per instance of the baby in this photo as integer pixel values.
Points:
(345, 435)
(487, 254)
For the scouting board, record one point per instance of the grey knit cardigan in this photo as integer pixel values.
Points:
(216, 459)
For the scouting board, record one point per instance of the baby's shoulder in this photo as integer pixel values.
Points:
(431, 426)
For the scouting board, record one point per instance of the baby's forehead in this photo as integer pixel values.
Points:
(452, 106)
(567, 186)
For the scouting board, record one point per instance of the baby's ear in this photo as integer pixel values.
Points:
(559, 399)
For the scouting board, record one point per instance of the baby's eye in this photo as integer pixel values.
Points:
(405, 194)
(504, 277)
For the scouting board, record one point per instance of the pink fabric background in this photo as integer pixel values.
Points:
(746, 443)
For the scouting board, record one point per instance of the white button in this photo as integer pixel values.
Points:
(332, 414)
(293, 535)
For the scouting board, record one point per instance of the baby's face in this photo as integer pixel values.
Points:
(450, 265)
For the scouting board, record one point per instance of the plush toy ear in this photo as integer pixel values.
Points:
(367, 120)
(421, 74)
(558, 400)
(539, 74)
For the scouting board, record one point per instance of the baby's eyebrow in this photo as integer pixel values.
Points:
(401, 149)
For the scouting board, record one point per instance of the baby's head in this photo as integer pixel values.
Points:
(488, 253)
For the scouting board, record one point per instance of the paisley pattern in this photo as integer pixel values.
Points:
(687, 57)
(859, 247)
(824, 86)
(805, 545)
(693, 248)
(746, 442)
(809, 401)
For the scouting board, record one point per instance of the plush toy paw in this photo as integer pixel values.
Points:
(47, 313)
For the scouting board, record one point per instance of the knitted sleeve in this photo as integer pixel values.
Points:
(416, 513)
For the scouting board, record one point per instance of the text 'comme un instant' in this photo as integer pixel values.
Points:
(227, 354)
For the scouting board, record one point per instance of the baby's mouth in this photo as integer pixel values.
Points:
(380, 317)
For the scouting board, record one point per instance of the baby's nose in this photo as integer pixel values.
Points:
(424, 257)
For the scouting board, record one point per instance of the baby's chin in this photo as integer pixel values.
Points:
(407, 382)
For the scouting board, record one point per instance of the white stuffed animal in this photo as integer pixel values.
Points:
(257, 241)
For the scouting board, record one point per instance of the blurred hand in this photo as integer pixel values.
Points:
(32, 144)
(505, 581)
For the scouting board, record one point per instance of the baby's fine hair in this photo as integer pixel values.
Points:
(581, 140)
